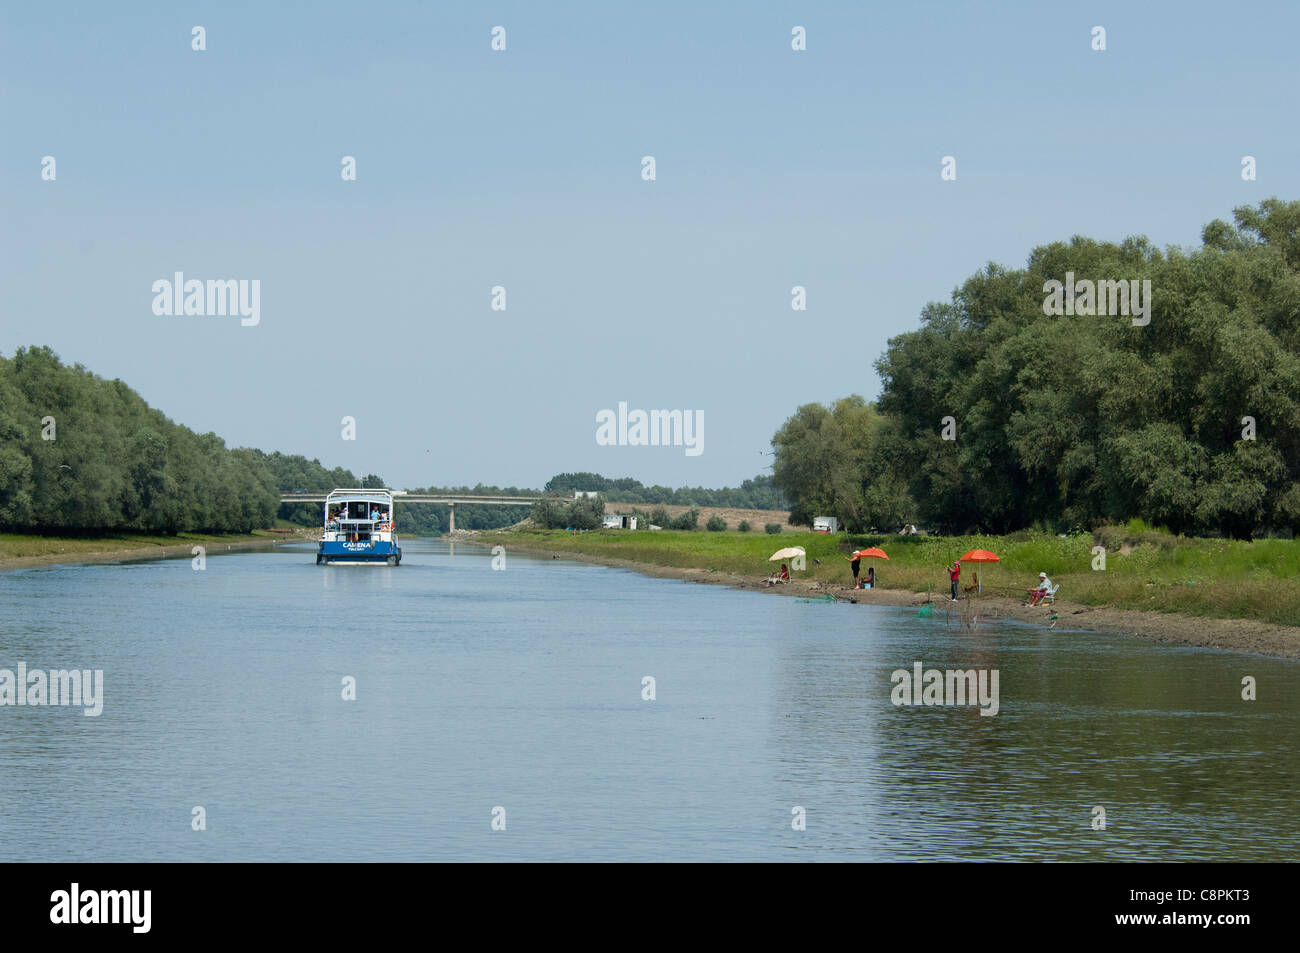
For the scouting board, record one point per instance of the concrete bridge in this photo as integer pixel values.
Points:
(448, 500)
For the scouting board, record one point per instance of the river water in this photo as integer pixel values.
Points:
(522, 689)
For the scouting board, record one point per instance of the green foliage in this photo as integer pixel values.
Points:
(716, 524)
(688, 520)
(427, 519)
(771, 528)
(841, 461)
(550, 514)
(1080, 420)
(116, 464)
(760, 493)
(587, 512)
(424, 519)
(1134, 533)
(295, 473)
(584, 513)
(743, 526)
(565, 484)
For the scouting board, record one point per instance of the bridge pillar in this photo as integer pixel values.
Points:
(451, 510)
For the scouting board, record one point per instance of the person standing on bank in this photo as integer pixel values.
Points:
(854, 562)
(954, 576)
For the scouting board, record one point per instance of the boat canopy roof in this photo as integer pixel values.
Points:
(353, 495)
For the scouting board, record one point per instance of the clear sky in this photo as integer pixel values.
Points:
(522, 168)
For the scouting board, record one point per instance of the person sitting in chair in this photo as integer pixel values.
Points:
(1044, 586)
(785, 573)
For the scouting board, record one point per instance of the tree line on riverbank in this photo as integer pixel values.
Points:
(80, 454)
(586, 513)
(996, 415)
(759, 493)
(84, 455)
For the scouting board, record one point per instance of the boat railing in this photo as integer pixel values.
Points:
(359, 526)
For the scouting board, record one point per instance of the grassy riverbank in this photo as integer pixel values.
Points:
(1145, 569)
(18, 551)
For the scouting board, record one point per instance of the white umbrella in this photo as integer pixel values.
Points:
(788, 553)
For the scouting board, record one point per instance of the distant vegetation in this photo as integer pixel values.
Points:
(564, 512)
(292, 473)
(80, 455)
(760, 493)
(584, 513)
(428, 519)
(1191, 422)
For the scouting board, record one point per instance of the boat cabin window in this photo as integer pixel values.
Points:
(360, 510)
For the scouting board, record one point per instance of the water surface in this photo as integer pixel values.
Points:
(522, 689)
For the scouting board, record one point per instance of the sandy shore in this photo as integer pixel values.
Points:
(1236, 635)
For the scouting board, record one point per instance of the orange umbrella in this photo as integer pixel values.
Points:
(873, 553)
(980, 556)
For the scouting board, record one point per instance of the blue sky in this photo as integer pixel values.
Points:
(522, 168)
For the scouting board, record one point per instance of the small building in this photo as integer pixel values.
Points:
(588, 494)
(825, 524)
(619, 521)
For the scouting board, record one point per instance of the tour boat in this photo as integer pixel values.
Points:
(359, 528)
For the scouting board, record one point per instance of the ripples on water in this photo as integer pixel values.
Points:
(522, 689)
